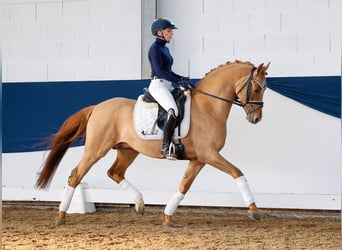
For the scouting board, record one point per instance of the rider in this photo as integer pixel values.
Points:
(162, 78)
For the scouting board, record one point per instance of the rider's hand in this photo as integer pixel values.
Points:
(185, 83)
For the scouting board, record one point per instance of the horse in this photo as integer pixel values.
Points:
(109, 125)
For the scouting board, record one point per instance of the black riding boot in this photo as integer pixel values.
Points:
(166, 151)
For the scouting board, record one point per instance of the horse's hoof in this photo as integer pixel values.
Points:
(59, 221)
(140, 207)
(254, 215)
(168, 225)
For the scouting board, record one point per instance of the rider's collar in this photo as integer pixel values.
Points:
(160, 41)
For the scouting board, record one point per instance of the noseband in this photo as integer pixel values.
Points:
(237, 101)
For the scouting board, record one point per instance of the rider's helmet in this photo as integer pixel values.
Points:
(161, 24)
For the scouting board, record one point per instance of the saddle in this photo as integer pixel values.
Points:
(180, 99)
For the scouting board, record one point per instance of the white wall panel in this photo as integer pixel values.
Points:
(11, 33)
(280, 44)
(246, 45)
(335, 4)
(33, 32)
(23, 71)
(104, 9)
(210, 25)
(21, 52)
(328, 64)
(201, 64)
(115, 50)
(294, 33)
(62, 70)
(280, 5)
(223, 47)
(49, 12)
(235, 24)
(92, 70)
(313, 43)
(311, 21)
(335, 42)
(48, 51)
(20, 13)
(218, 7)
(86, 30)
(298, 65)
(190, 9)
(125, 70)
(75, 50)
(262, 22)
(111, 23)
(5, 14)
(187, 50)
(50, 30)
(242, 6)
(312, 4)
(76, 10)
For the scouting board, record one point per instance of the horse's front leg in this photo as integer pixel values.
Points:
(190, 174)
(222, 164)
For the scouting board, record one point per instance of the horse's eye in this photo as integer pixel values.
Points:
(256, 90)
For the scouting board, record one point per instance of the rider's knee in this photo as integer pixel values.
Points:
(172, 112)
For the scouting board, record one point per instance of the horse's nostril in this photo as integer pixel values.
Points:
(256, 120)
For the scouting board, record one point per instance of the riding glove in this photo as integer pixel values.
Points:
(185, 83)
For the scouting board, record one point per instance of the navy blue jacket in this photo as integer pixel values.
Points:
(161, 62)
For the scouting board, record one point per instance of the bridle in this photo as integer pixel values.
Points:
(237, 101)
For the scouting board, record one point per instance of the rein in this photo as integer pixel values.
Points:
(237, 101)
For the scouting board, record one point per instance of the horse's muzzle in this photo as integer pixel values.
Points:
(252, 118)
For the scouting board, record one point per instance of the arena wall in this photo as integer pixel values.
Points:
(292, 159)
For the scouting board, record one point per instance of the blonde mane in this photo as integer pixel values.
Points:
(228, 63)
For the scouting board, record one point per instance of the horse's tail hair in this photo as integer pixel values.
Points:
(73, 128)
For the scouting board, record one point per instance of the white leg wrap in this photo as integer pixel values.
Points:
(244, 189)
(173, 203)
(131, 190)
(69, 192)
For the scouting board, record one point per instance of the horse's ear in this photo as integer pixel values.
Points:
(262, 69)
(267, 65)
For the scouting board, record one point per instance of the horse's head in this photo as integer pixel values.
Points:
(250, 92)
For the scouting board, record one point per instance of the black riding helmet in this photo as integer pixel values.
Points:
(161, 24)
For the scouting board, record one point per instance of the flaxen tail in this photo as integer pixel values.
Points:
(73, 128)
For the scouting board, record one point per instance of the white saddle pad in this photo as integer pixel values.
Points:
(145, 120)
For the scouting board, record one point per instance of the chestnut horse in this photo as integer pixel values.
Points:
(109, 125)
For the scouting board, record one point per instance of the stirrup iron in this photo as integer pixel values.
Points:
(171, 154)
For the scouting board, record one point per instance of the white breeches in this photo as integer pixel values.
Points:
(161, 89)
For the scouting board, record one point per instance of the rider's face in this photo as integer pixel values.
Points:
(167, 34)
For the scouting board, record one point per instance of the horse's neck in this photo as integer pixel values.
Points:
(221, 83)
(214, 106)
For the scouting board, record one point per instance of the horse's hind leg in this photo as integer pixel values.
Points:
(74, 179)
(117, 173)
